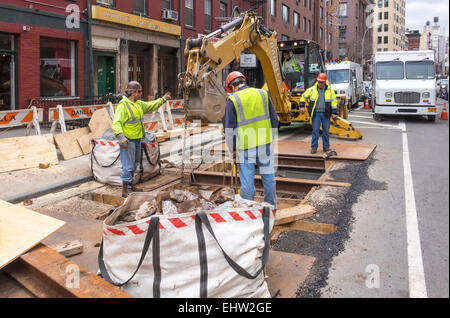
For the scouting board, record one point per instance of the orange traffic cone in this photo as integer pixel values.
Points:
(444, 114)
(366, 105)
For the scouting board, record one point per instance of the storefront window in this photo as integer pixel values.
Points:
(7, 72)
(57, 67)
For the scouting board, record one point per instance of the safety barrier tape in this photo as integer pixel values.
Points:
(177, 223)
(114, 143)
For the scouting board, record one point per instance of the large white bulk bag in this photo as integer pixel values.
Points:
(107, 168)
(189, 255)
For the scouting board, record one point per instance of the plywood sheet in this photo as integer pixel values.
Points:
(68, 144)
(351, 151)
(100, 122)
(287, 272)
(84, 142)
(21, 229)
(287, 215)
(26, 152)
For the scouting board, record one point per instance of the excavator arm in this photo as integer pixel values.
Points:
(205, 98)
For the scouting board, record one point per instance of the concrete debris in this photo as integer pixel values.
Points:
(187, 200)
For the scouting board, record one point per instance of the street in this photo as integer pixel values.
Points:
(392, 239)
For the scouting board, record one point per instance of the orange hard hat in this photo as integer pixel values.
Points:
(322, 77)
(231, 77)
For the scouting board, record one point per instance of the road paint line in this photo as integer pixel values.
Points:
(376, 124)
(360, 116)
(417, 286)
(367, 127)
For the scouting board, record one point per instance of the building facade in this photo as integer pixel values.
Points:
(389, 26)
(433, 38)
(44, 52)
(413, 40)
(355, 36)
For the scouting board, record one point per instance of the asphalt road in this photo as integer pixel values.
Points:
(392, 238)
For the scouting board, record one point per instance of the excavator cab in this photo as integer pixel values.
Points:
(301, 61)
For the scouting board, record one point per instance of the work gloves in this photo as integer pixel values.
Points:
(123, 141)
(167, 96)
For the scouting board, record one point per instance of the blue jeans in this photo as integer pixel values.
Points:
(130, 158)
(320, 118)
(263, 156)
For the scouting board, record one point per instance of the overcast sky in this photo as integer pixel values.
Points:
(418, 12)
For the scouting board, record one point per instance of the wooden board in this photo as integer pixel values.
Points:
(287, 271)
(84, 142)
(301, 211)
(21, 229)
(68, 144)
(315, 227)
(46, 273)
(26, 152)
(100, 122)
(351, 151)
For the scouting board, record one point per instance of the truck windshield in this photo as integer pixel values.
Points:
(420, 70)
(338, 76)
(390, 70)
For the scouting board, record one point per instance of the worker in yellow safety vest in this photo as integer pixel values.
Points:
(322, 104)
(250, 123)
(128, 127)
(292, 70)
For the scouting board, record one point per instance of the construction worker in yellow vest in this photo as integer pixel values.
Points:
(292, 70)
(128, 127)
(250, 124)
(322, 104)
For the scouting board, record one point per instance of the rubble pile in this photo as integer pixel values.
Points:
(187, 200)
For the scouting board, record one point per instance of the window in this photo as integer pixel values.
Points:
(309, 26)
(321, 34)
(380, 27)
(57, 70)
(321, 13)
(189, 15)
(343, 9)
(284, 37)
(304, 24)
(106, 2)
(386, 3)
(385, 49)
(296, 20)
(389, 70)
(380, 15)
(419, 69)
(285, 12)
(140, 6)
(379, 40)
(223, 11)
(338, 76)
(386, 15)
(8, 76)
(310, 5)
(342, 31)
(273, 7)
(304, 3)
(385, 40)
(167, 4)
(386, 26)
(208, 16)
(380, 3)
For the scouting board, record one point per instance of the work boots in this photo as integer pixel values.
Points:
(126, 189)
(313, 150)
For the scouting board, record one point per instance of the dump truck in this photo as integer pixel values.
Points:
(204, 96)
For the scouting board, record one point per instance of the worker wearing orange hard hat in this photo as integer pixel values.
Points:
(322, 104)
(250, 125)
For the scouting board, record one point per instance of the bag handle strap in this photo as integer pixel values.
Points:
(201, 218)
(103, 166)
(152, 232)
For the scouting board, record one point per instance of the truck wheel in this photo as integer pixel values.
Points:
(376, 117)
(431, 118)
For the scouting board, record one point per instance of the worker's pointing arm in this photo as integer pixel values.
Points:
(149, 107)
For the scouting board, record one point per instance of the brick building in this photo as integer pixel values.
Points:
(413, 37)
(43, 52)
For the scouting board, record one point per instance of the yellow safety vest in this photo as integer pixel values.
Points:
(312, 95)
(253, 119)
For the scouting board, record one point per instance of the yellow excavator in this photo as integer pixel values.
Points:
(204, 96)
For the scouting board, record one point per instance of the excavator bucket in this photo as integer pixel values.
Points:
(343, 129)
(207, 102)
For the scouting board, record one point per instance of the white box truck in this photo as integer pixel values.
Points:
(346, 77)
(404, 84)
